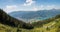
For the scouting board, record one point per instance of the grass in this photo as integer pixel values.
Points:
(6, 28)
(50, 27)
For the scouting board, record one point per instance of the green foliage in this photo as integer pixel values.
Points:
(48, 28)
(8, 20)
(58, 16)
(7, 30)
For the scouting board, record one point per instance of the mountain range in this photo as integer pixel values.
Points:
(40, 14)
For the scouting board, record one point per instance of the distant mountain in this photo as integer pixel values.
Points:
(40, 14)
(41, 23)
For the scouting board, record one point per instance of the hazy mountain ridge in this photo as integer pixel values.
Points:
(40, 14)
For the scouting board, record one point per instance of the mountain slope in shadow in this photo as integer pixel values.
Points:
(8, 20)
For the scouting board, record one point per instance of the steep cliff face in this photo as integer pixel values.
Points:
(6, 19)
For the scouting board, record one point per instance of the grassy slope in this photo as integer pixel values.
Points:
(6, 28)
(52, 27)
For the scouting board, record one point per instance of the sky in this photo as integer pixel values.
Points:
(28, 5)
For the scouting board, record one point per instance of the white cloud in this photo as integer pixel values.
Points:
(50, 7)
(10, 8)
(47, 7)
(29, 2)
(35, 8)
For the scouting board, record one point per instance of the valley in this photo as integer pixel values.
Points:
(11, 24)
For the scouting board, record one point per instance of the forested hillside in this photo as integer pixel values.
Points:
(13, 22)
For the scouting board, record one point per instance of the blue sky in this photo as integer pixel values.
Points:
(28, 5)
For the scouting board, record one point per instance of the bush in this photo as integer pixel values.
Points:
(8, 30)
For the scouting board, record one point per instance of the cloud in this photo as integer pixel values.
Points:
(50, 7)
(47, 7)
(10, 8)
(29, 2)
(35, 8)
